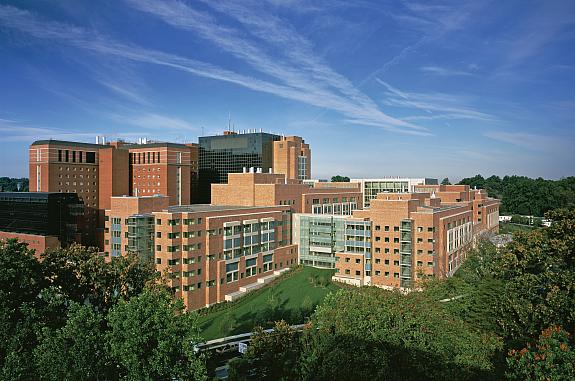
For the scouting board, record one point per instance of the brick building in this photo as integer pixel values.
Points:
(292, 157)
(209, 253)
(96, 172)
(414, 235)
(267, 189)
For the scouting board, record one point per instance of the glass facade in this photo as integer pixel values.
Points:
(223, 154)
(141, 236)
(48, 214)
(372, 188)
(405, 253)
(319, 237)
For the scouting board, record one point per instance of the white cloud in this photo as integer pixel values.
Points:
(296, 86)
(444, 72)
(529, 141)
(436, 105)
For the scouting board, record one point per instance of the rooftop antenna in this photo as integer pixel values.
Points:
(202, 130)
(229, 121)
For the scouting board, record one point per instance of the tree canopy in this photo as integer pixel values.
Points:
(9, 184)
(339, 179)
(75, 316)
(525, 196)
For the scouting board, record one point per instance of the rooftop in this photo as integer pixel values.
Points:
(211, 208)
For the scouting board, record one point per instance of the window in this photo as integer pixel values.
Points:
(387, 274)
(347, 260)
(347, 271)
(386, 251)
(386, 261)
(396, 275)
(396, 228)
(90, 157)
(386, 239)
(377, 228)
(377, 273)
(357, 272)
(396, 240)
(358, 260)
(378, 250)
(377, 261)
(158, 222)
(429, 264)
(386, 228)
(377, 239)
(419, 263)
(396, 263)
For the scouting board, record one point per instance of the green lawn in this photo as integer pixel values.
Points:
(509, 228)
(292, 299)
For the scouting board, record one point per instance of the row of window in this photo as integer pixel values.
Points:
(67, 156)
(335, 200)
(76, 168)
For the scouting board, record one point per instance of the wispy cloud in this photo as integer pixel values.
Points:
(445, 72)
(529, 141)
(154, 121)
(289, 82)
(540, 29)
(433, 22)
(436, 106)
(298, 67)
(21, 131)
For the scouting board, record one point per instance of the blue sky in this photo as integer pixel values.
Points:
(381, 88)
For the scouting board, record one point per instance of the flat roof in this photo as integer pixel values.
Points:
(155, 145)
(64, 142)
(213, 208)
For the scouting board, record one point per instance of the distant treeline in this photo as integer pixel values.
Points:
(8, 184)
(526, 196)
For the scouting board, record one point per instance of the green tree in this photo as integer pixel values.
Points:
(394, 336)
(552, 357)
(526, 196)
(339, 179)
(445, 181)
(153, 339)
(77, 351)
(8, 184)
(84, 276)
(270, 355)
(21, 283)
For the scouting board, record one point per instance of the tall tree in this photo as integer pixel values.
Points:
(445, 181)
(77, 351)
(270, 355)
(84, 276)
(395, 337)
(152, 338)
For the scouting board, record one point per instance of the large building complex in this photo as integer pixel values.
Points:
(96, 172)
(43, 220)
(266, 214)
(372, 187)
(208, 253)
(414, 235)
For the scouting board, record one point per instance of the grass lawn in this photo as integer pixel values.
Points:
(509, 228)
(292, 299)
